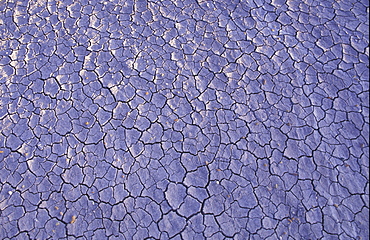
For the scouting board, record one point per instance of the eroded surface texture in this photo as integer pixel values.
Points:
(184, 119)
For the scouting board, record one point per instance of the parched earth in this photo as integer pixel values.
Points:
(184, 119)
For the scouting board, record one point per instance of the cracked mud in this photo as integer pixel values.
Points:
(184, 119)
